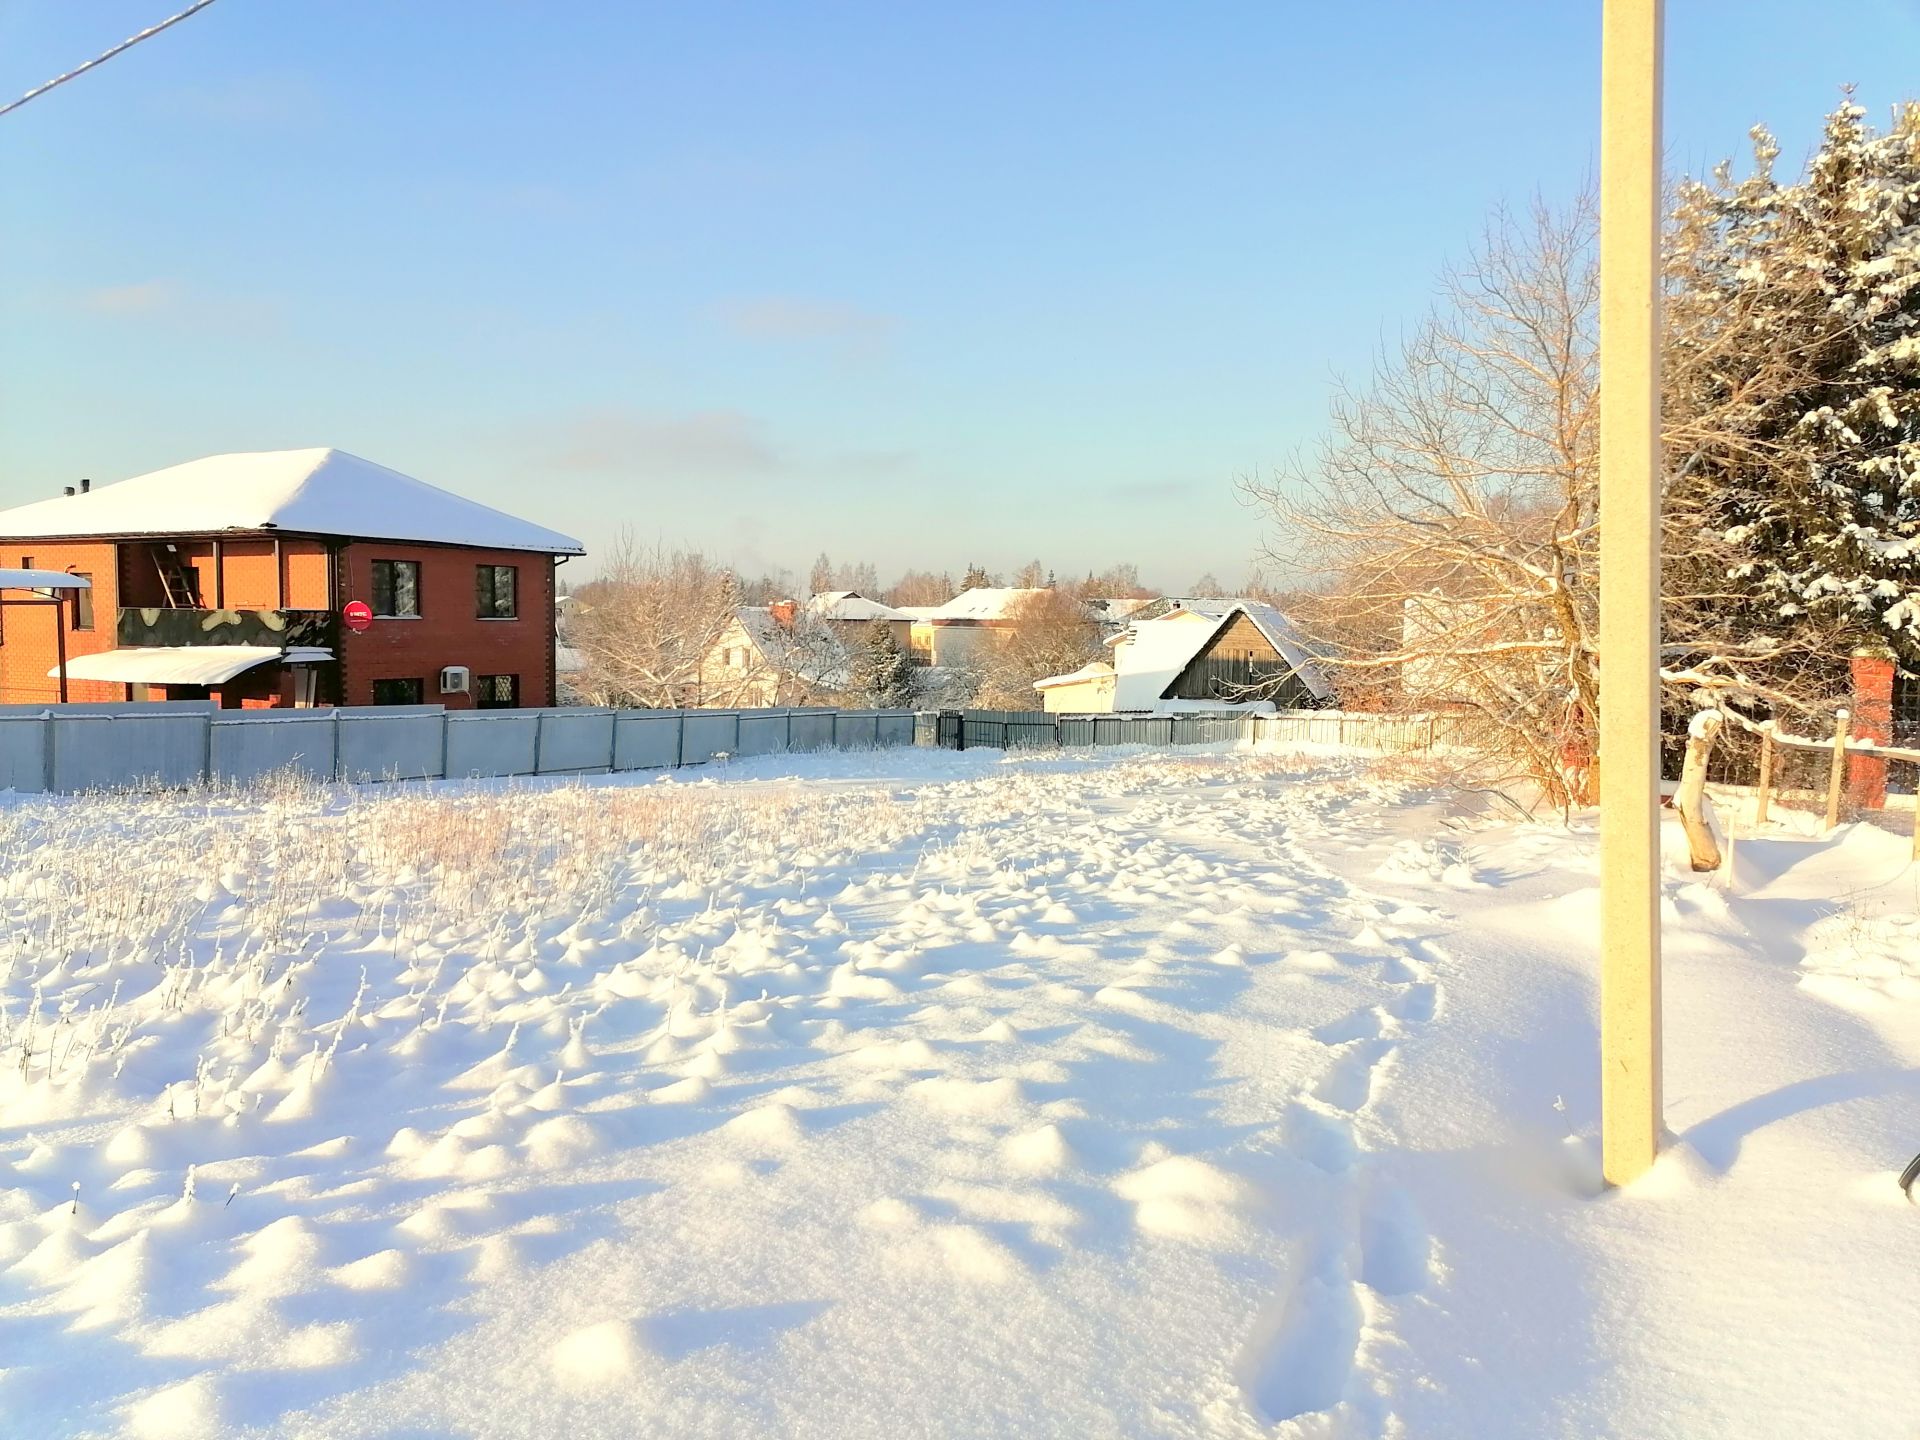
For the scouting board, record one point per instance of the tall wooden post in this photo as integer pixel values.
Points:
(1766, 772)
(1837, 767)
(1630, 587)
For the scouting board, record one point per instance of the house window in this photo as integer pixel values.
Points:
(493, 592)
(396, 588)
(80, 604)
(498, 692)
(399, 692)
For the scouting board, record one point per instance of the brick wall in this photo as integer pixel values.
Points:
(447, 631)
(28, 649)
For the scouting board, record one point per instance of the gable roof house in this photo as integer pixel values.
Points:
(1203, 653)
(779, 654)
(962, 633)
(226, 578)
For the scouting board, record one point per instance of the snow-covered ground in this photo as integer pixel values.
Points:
(931, 1094)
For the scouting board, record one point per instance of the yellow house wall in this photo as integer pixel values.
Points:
(1093, 696)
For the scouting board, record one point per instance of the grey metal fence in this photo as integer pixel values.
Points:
(66, 748)
(1288, 729)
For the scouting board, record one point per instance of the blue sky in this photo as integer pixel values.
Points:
(915, 284)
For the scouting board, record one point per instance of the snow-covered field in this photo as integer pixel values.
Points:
(930, 1094)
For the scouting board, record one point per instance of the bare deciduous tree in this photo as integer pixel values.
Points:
(1447, 528)
(645, 626)
(1053, 633)
(1448, 520)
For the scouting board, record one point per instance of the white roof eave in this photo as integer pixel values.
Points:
(184, 664)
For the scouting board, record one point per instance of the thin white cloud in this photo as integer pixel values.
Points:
(853, 331)
(705, 444)
(143, 297)
(172, 303)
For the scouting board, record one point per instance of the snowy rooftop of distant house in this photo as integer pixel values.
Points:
(850, 605)
(812, 652)
(1092, 670)
(1119, 607)
(982, 603)
(1156, 651)
(316, 492)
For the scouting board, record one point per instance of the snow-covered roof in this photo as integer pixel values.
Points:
(1157, 651)
(1119, 607)
(184, 664)
(813, 652)
(918, 612)
(1092, 670)
(982, 603)
(42, 580)
(316, 492)
(850, 605)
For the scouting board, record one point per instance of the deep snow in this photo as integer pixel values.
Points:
(929, 1094)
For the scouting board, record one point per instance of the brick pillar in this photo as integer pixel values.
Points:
(1872, 671)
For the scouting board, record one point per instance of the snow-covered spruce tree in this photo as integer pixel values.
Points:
(883, 675)
(1794, 380)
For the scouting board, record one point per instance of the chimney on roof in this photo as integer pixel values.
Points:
(782, 611)
(69, 490)
(85, 484)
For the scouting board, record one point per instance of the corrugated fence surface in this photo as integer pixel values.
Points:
(1288, 729)
(141, 746)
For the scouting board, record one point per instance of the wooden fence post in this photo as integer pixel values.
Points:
(1766, 772)
(1837, 773)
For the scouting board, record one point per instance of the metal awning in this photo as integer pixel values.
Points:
(42, 580)
(185, 664)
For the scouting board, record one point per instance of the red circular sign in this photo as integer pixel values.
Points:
(356, 615)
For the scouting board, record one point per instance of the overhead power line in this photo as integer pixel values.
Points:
(102, 59)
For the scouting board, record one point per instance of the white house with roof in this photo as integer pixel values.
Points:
(1195, 654)
(963, 633)
(795, 653)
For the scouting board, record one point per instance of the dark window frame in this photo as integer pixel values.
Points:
(417, 685)
(387, 590)
(80, 604)
(486, 694)
(487, 597)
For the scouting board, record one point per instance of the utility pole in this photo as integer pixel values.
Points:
(1630, 187)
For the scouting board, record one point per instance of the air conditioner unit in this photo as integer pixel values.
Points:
(455, 680)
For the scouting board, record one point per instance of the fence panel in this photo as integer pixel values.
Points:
(102, 751)
(391, 742)
(646, 739)
(573, 740)
(812, 730)
(856, 729)
(487, 744)
(23, 754)
(121, 745)
(1075, 730)
(248, 745)
(708, 734)
(763, 732)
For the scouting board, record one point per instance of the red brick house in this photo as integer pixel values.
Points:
(226, 578)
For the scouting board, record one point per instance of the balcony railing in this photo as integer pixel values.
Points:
(142, 626)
